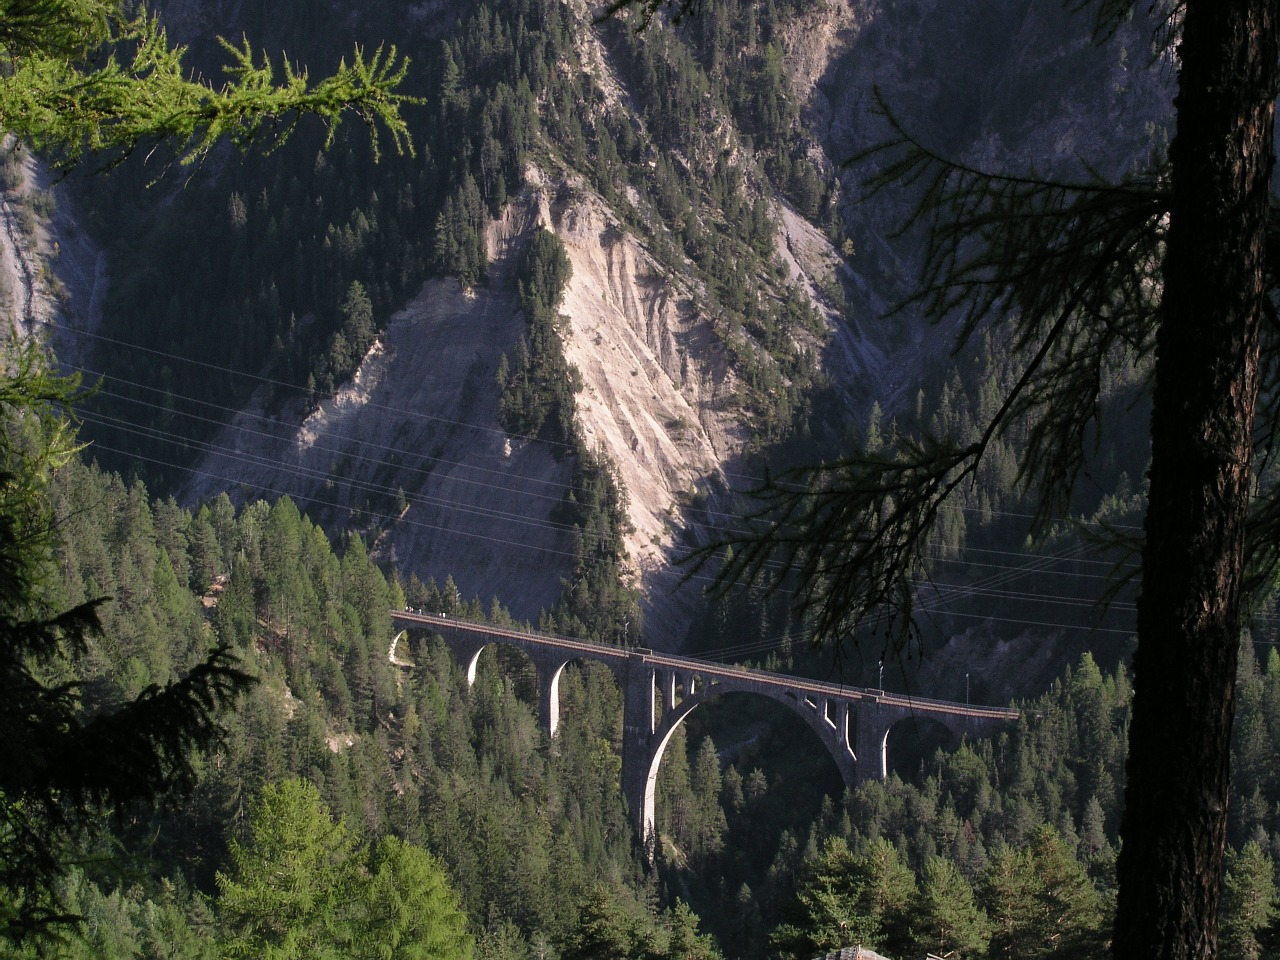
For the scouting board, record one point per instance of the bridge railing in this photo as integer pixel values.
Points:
(707, 669)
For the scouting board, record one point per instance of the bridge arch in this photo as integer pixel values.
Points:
(548, 664)
(830, 719)
(506, 665)
(549, 686)
(914, 738)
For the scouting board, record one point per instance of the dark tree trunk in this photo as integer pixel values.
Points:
(1206, 373)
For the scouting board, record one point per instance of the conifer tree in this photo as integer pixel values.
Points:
(92, 76)
(1170, 269)
(293, 881)
(1248, 902)
(604, 931)
(58, 766)
(945, 917)
(1041, 902)
(409, 910)
(846, 900)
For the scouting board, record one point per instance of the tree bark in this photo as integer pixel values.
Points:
(1206, 383)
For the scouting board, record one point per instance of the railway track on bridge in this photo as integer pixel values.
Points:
(707, 669)
(660, 690)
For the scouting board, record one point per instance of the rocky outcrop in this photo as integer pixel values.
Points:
(654, 386)
(52, 275)
(420, 418)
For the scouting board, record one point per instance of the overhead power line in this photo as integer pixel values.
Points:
(380, 457)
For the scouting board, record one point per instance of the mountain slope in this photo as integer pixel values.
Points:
(695, 176)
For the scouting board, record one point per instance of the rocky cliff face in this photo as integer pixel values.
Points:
(50, 269)
(654, 390)
(660, 395)
(420, 416)
(658, 398)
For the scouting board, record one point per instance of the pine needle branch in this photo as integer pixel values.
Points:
(1067, 272)
(69, 108)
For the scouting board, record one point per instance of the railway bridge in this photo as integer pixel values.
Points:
(659, 690)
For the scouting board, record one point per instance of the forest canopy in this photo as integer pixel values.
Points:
(360, 746)
(86, 77)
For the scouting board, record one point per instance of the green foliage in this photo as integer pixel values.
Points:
(299, 889)
(604, 931)
(945, 917)
(354, 339)
(84, 76)
(1041, 902)
(87, 77)
(123, 925)
(543, 273)
(537, 388)
(410, 911)
(522, 832)
(61, 766)
(291, 883)
(537, 842)
(1248, 902)
(684, 941)
(513, 825)
(460, 244)
(846, 900)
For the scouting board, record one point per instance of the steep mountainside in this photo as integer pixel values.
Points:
(695, 175)
(50, 269)
(420, 416)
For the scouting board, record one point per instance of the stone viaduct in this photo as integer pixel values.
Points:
(659, 690)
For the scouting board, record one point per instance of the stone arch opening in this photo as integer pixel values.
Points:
(506, 664)
(534, 665)
(538, 675)
(809, 721)
(576, 685)
(753, 730)
(911, 742)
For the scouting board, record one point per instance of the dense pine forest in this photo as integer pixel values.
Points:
(355, 795)
(302, 254)
(416, 811)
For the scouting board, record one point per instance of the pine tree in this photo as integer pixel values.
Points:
(1041, 902)
(293, 881)
(604, 931)
(409, 910)
(59, 768)
(1248, 902)
(945, 918)
(828, 912)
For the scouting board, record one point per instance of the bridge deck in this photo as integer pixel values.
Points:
(705, 669)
